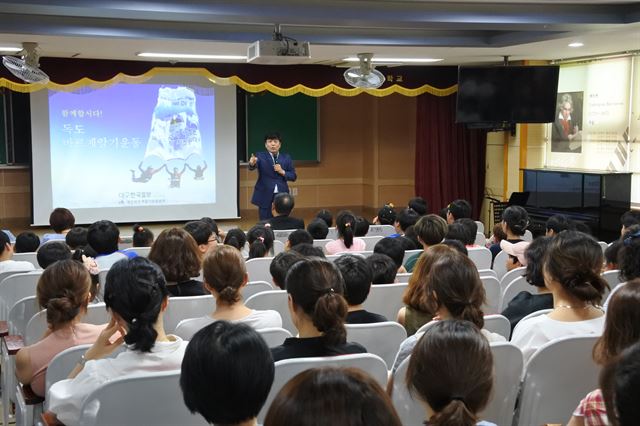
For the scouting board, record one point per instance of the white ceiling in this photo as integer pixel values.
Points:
(460, 32)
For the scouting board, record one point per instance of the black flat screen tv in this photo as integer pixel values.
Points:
(507, 94)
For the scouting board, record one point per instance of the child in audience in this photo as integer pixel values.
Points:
(318, 312)
(383, 268)
(572, 273)
(177, 255)
(392, 247)
(64, 291)
(458, 209)
(136, 295)
(357, 277)
(461, 232)
(620, 384)
(260, 240)
(497, 235)
(219, 233)
(202, 233)
(26, 242)
(515, 220)
(345, 223)
(516, 254)
(410, 239)
(299, 236)
(419, 205)
(224, 277)
(556, 224)
(233, 389)
(308, 250)
(430, 230)
(456, 245)
(621, 330)
(61, 221)
(236, 238)
(628, 258)
(451, 371)
(103, 237)
(318, 229)
(361, 229)
(281, 264)
(629, 218)
(386, 215)
(76, 237)
(332, 396)
(142, 237)
(406, 218)
(52, 252)
(326, 217)
(611, 256)
(6, 253)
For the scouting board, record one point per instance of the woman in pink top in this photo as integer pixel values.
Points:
(345, 242)
(64, 290)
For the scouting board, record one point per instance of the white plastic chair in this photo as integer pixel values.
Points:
(481, 256)
(498, 324)
(613, 279)
(140, 251)
(145, 399)
(380, 338)
(333, 233)
(481, 240)
(282, 235)
(31, 257)
(20, 314)
(385, 299)
(403, 277)
(500, 264)
(321, 243)
(536, 313)
(480, 226)
(516, 287)
(493, 295)
(180, 308)
(276, 300)
(410, 411)
(258, 269)
(286, 369)
(487, 273)
(511, 275)
(371, 241)
(37, 325)
(274, 336)
(16, 287)
(603, 246)
(4, 275)
(409, 253)
(278, 247)
(528, 236)
(383, 230)
(255, 287)
(102, 279)
(558, 375)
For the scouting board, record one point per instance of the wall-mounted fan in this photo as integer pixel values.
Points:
(364, 75)
(26, 67)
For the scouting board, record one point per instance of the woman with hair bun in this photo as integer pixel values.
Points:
(64, 291)
(225, 276)
(136, 295)
(142, 237)
(260, 240)
(318, 312)
(345, 223)
(515, 221)
(571, 272)
(451, 370)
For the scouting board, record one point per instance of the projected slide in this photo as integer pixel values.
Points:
(143, 145)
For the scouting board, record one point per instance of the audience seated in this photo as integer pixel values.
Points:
(177, 255)
(224, 277)
(142, 237)
(357, 277)
(628, 258)
(281, 208)
(308, 250)
(611, 256)
(281, 264)
(326, 216)
(236, 238)
(76, 237)
(558, 223)
(6, 263)
(419, 205)
(345, 223)
(386, 215)
(64, 291)
(515, 220)
(299, 236)
(451, 370)
(410, 239)
(227, 372)
(471, 231)
(620, 384)
(406, 218)
(52, 252)
(318, 229)
(202, 233)
(456, 245)
(318, 312)
(361, 229)
(136, 294)
(260, 240)
(219, 234)
(516, 252)
(460, 232)
(457, 209)
(332, 396)
(572, 273)
(621, 330)
(526, 303)
(383, 268)
(431, 230)
(26, 242)
(497, 235)
(103, 237)
(61, 221)
(630, 218)
(394, 248)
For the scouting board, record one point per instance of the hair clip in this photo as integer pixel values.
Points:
(133, 320)
(347, 225)
(329, 291)
(261, 239)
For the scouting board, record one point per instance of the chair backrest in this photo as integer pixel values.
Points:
(258, 269)
(410, 253)
(276, 300)
(481, 240)
(500, 264)
(4, 275)
(498, 324)
(255, 287)
(514, 288)
(493, 295)
(528, 236)
(385, 299)
(278, 247)
(37, 325)
(384, 230)
(321, 243)
(333, 233)
(371, 241)
(30, 257)
(508, 364)
(181, 308)
(289, 368)
(481, 256)
(20, 314)
(410, 411)
(613, 279)
(480, 226)
(603, 245)
(140, 251)
(274, 336)
(380, 338)
(282, 235)
(16, 287)
(536, 313)
(487, 273)
(332, 257)
(403, 277)
(547, 396)
(511, 275)
(102, 279)
(151, 399)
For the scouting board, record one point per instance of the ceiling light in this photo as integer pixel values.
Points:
(576, 44)
(191, 56)
(10, 49)
(397, 60)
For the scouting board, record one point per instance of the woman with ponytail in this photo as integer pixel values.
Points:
(260, 239)
(64, 291)
(136, 295)
(345, 223)
(142, 237)
(225, 276)
(571, 272)
(451, 370)
(515, 221)
(318, 312)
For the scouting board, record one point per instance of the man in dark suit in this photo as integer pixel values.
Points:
(274, 170)
(282, 205)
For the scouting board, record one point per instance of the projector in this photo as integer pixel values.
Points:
(278, 52)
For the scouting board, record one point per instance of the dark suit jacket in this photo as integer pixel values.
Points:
(268, 178)
(285, 222)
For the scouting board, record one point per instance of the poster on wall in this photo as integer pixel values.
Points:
(566, 134)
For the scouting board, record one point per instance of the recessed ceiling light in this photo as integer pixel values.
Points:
(576, 44)
(191, 56)
(397, 60)
(10, 49)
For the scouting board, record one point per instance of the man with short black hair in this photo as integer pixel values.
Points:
(357, 277)
(406, 218)
(318, 229)
(393, 248)
(281, 264)
(103, 237)
(458, 209)
(419, 205)
(283, 203)
(299, 236)
(6, 263)
(52, 252)
(630, 218)
(383, 268)
(202, 232)
(556, 224)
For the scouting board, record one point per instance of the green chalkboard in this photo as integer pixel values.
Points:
(294, 117)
